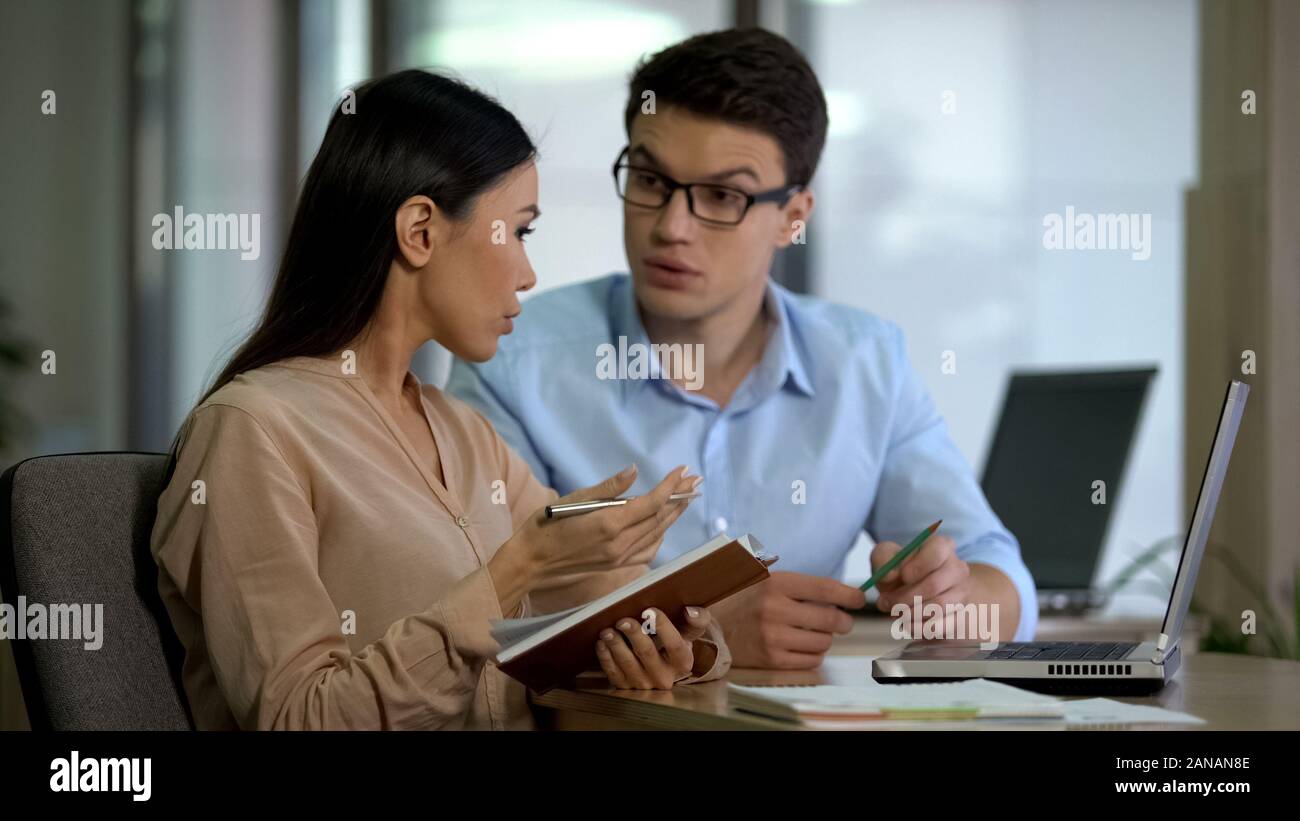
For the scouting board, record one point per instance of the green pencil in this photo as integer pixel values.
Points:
(911, 548)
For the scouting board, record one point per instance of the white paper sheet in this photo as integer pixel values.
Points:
(1109, 711)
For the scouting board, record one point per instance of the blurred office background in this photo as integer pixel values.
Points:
(955, 128)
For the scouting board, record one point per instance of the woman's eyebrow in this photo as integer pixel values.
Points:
(530, 209)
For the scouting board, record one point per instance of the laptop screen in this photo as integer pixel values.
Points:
(1059, 434)
(1198, 532)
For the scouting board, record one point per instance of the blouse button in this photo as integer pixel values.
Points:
(462, 521)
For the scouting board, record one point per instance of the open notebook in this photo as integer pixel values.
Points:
(545, 651)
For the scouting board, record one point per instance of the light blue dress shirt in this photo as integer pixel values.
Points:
(831, 432)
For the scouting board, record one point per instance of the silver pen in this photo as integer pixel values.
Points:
(574, 508)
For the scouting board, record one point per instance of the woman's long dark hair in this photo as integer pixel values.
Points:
(408, 133)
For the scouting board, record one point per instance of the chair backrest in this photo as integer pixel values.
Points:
(74, 530)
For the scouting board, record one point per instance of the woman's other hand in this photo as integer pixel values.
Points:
(634, 658)
(611, 537)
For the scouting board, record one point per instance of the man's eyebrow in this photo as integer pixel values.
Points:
(732, 172)
(716, 177)
(530, 209)
(644, 152)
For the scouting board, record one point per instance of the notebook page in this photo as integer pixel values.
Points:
(507, 632)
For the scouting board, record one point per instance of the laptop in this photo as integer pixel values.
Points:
(1087, 667)
(1035, 478)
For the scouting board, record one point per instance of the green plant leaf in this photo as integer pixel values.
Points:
(1295, 595)
(1269, 624)
(1137, 563)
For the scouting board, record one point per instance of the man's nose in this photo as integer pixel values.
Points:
(675, 222)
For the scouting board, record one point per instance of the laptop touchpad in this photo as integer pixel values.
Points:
(941, 651)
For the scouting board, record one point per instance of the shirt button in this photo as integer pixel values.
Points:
(462, 521)
(720, 525)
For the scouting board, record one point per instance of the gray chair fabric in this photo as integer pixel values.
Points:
(78, 528)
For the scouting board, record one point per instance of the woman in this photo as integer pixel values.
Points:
(335, 537)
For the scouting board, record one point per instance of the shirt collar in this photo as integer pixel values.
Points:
(625, 324)
(788, 361)
(783, 362)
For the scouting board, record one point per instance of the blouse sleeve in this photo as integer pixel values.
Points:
(711, 642)
(245, 559)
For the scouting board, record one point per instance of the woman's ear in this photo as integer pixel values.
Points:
(416, 222)
(794, 227)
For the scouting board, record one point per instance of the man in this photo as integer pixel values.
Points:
(804, 418)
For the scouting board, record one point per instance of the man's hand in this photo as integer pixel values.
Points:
(937, 575)
(788, 621)
(933, 572)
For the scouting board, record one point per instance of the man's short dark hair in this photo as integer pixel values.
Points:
(747, 77)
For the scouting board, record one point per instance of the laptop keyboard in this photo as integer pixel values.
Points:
(1060, 651)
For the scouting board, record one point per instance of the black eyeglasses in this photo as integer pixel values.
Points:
(716, 204)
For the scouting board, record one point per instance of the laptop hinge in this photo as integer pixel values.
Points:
(1163, 647)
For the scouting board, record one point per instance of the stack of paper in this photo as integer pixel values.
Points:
(874, 704)
(1105, 711)
(976, 698)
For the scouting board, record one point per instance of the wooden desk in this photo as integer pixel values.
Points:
(1229, 692)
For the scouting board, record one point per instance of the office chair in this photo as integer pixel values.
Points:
(74, 529)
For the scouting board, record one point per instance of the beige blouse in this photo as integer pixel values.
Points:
(320, 576)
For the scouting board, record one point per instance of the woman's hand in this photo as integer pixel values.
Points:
(634, 660)
(612, 537)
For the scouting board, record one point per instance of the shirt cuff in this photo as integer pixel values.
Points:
(1006, 558)
(722, 658)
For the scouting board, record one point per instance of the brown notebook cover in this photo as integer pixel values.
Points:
(707, 580)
